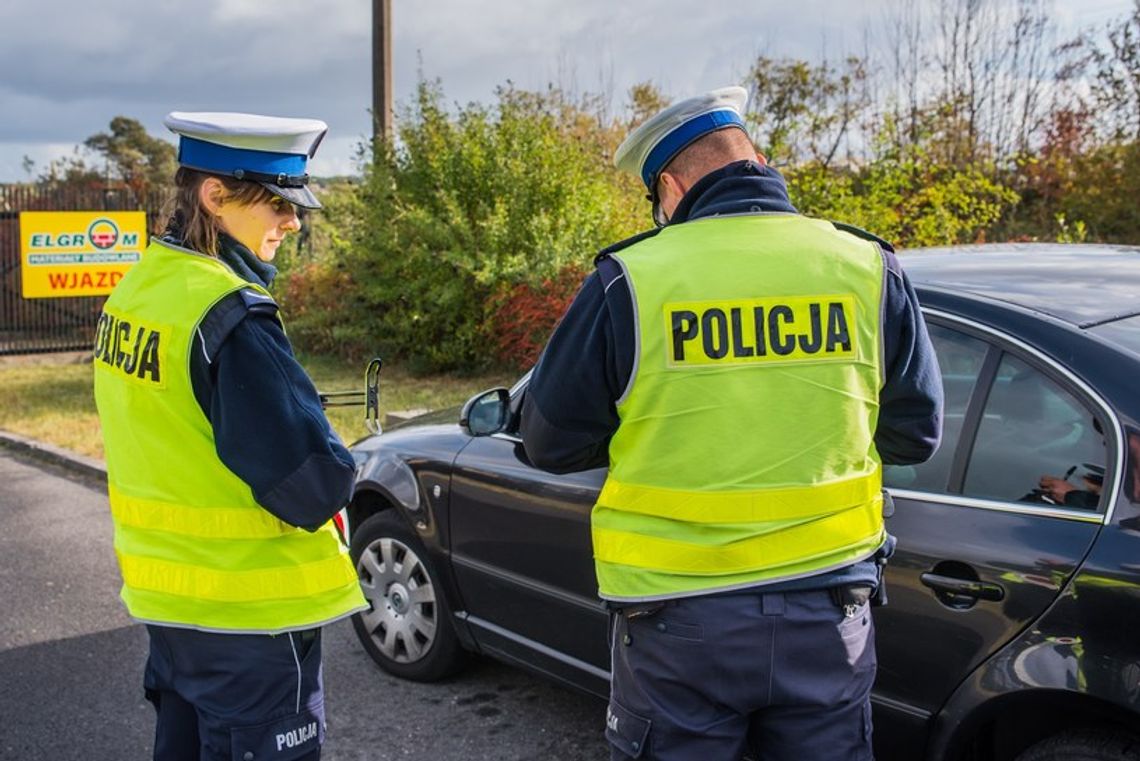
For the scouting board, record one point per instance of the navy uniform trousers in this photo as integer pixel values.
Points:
(786, 676)
(235, 697)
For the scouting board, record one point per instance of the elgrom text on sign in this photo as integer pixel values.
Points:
(78, 253)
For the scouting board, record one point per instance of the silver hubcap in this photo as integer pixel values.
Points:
(402, 620)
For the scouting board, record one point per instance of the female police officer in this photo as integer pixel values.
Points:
(222, 470)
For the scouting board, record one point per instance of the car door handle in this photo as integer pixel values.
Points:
(968, 587)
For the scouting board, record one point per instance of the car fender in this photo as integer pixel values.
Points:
(1056, 673)
(386, 480)
(417, 495)
(394, 479)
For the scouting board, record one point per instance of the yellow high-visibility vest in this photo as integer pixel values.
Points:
(194, 547)
(745, 452)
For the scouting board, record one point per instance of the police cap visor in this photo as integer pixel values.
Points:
(298, 196)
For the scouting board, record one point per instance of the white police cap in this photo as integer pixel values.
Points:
(270, 150)
(649, 148)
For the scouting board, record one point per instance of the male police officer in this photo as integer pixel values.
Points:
(222, 469)
(745, 370)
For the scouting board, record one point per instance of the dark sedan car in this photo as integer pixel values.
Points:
(1013, 623)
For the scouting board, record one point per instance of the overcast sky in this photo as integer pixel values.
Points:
(68, 66)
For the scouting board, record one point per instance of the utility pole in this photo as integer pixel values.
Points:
(381, 69)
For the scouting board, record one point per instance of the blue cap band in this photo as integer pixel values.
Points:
(672, 143)
(211, 157)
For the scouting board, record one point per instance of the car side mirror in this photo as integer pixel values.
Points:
(486, 413)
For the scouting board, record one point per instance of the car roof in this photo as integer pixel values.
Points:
(1083, 284)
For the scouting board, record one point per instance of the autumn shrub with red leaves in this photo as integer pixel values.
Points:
(524, 316)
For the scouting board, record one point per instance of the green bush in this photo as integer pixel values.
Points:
(1104, 195)
(444, 225)
(906, 196)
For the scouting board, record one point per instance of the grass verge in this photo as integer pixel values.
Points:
(50, 398)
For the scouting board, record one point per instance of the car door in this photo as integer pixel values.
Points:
(980, 552)
(522, 557)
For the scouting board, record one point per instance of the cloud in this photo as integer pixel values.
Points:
(72, 65)
(92, 61)
(12, 157)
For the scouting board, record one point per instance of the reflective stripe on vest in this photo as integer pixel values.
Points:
(784, 544)
(311, 579)
(209, 522)
(800, 502)
(194, 547)
(745, 449)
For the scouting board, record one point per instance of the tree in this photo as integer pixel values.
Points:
(645, 99)
(71, 171)
(133, 156)
(805, 112)
(1116, 76)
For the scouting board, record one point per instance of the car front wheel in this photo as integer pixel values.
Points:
(407, 629)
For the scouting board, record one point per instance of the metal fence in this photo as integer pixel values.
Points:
(29, 326)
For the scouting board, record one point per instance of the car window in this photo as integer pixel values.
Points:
(1036, 443)
(514, 414)
(960, 357)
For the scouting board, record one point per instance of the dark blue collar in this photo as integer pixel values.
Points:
(244, 263)
(741, 187)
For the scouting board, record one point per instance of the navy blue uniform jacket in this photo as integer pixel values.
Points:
(569, 413)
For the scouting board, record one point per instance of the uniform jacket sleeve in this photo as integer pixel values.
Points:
(910, 402)
(269, 427)
(569, 415)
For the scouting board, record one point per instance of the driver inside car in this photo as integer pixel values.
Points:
(1064, 492)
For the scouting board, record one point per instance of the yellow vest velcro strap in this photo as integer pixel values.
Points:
(848, 532)
(237, 586)
(794, 503)
(210, 522)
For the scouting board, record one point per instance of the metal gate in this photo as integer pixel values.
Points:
(65, 324)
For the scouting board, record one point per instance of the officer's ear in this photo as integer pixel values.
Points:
(671, 189)
(672, 183)
(212, 195)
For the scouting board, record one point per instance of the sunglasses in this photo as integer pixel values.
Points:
(282, 206)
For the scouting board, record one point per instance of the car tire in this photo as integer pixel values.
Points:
(407, 629)
(1087, 745)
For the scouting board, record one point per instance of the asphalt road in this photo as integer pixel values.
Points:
(71, 660)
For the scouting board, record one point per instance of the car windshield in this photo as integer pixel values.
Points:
(520, 384)
(1124, 332)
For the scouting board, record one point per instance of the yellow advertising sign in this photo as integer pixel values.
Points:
(78, 253)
